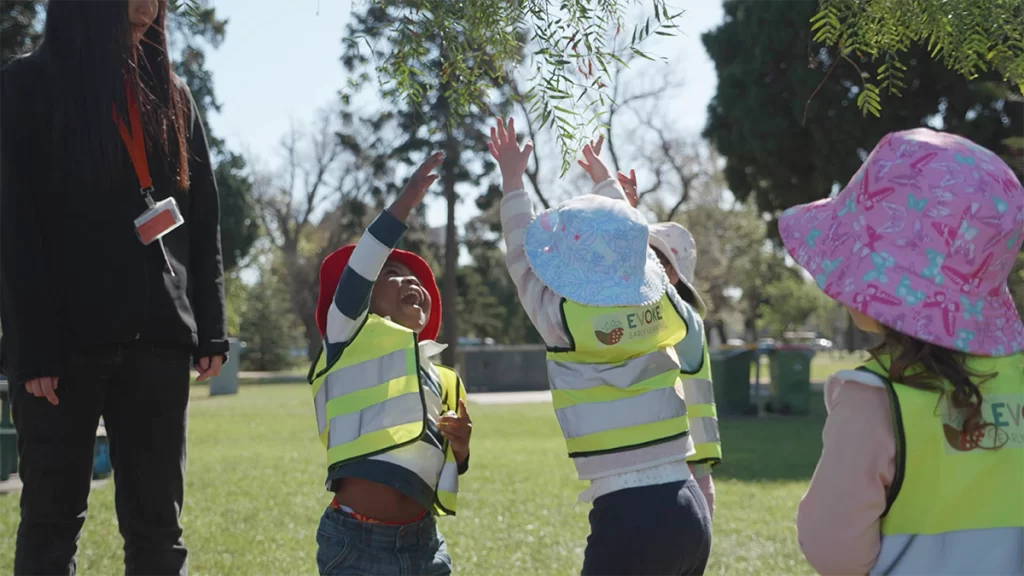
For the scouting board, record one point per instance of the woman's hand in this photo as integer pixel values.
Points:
(512, 159)
(43, 387)
(416, 188)
(458, 429)
(209, 367)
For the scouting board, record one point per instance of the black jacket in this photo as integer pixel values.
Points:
(73, 275)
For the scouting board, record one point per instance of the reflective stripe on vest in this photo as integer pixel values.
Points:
(371, 402)
(614, 389)
(956, 503)
(699, 394)
(447, 493)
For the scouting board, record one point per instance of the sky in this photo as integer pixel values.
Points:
(265, 85)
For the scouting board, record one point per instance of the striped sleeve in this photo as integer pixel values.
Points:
(352, 297)
(542, 305)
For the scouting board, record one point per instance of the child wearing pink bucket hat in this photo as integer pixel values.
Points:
(601, 301)
(922, 465)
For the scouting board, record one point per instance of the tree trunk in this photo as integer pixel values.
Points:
(449, 292)
(314, 341)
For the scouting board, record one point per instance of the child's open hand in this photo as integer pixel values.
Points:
(592, 162)
(416, 187)
(629, 185)
(511, 159)
(458, 429)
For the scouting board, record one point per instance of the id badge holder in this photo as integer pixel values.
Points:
(159, 219)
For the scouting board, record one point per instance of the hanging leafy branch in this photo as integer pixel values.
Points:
(190, 8)
(571, 46)
(968, 36)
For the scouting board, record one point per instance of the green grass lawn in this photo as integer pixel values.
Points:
(255, 493)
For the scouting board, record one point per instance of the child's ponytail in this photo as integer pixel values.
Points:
(925, 366)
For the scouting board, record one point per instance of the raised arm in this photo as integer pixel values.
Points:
(352, 296)
(542, 305)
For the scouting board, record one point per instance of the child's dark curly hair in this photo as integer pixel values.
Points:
(928, 367)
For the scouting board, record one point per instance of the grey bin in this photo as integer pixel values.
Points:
(227, 381)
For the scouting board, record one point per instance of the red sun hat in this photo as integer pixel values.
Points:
(334, 265)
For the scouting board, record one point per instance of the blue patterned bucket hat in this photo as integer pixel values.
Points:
(594, 251)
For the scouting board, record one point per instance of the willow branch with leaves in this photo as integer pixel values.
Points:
(969, 36)
(572, 44)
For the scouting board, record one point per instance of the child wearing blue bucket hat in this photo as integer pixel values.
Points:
(602, 302)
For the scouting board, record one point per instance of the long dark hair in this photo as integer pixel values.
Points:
(925, 366)
(90, 54)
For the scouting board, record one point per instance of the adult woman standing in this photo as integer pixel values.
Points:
(100, 316)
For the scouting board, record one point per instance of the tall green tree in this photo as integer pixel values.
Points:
(190, 37)
(268, 326)
(969, 37)
(499, 314)
(785, 112)
(436, 120)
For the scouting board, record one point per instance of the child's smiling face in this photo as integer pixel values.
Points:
(398, 294)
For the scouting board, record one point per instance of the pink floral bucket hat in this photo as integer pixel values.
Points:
(921, 240)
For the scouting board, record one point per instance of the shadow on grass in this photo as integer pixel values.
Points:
(772, 448)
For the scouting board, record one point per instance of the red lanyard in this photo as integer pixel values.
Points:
(135, 140)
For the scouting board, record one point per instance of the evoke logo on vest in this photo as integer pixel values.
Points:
(1002, 427)
(610, 329)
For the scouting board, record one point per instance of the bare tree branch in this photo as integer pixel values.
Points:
(617, 103)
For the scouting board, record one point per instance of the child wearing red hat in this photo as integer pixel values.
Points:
(386, 413)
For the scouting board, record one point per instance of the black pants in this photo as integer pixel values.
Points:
(652, 530)
(142, 393)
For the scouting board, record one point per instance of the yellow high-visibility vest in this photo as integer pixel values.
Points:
(956, 504)
(371, 401)
(614, 388)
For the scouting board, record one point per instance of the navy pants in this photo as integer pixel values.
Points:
(661, 529)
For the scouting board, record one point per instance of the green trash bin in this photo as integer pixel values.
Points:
(790, 369)
(227, 381)
(730, 376)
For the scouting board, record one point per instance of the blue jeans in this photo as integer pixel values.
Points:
(347, 546)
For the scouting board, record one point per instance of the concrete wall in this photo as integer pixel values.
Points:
(502, 368)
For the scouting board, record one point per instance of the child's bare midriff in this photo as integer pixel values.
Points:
(378, 501)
